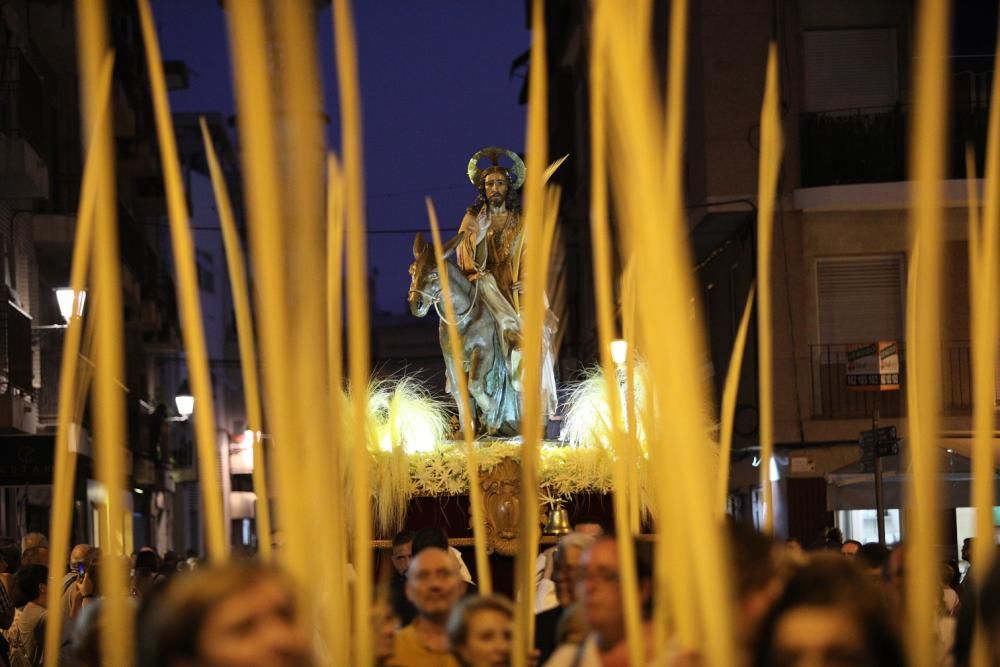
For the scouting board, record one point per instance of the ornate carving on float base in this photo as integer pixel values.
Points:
(502, 499)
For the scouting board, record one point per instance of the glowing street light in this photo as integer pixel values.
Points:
(619, 351)
(184, 401)
(66, 296)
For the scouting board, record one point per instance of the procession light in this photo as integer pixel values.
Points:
(619, 351)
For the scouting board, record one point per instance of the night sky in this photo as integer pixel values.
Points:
(434, 87)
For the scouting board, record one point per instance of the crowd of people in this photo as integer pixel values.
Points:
(839, 603)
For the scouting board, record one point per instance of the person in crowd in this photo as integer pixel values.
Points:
(544, 563)
(599, 594)
(241, 614)
(566, 563)
(384, 626)
(170, 561)
(829, 615)
(145, 573)
(757, 582)
(32, 540)
(950, 588)
(967, 557)
(793, 546)
(850, 548)
(434, 585)
(80, 557)
(10, 562)
(873, 558)
(480, 631)
(435, 537)
(37, 555)
(980, 613)
(896, 595)
(545, 588)
(26, 636)
(402, 552)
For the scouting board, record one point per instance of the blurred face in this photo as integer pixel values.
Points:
(850, 549)
(569, 567)
(597, 589)
(592, 529)
(433, 583)
(401, 556)
(253, 628)
(489, 639)
(818, 637)
(385, 623)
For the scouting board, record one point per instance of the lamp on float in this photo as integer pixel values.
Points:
(619, 352)
(184, 400)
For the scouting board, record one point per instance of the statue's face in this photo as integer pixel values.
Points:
(495, 187)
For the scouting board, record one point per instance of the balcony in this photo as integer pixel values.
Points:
(831, 398)
(869, 145)
(25, 130)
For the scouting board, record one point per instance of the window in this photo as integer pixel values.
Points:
(860, 298)
(850, 69)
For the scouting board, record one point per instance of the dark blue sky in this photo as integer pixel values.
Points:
(434, 86)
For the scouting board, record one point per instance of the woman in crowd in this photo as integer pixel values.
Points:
(830, 615)
(241, 614)
(480, 631)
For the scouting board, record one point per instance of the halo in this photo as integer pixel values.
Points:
(494, 154)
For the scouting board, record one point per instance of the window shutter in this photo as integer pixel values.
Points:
(850, 69)
(860, 299)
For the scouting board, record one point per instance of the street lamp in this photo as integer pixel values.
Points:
(66, 297)
(184, 401)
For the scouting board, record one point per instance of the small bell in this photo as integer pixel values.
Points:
(558, 523)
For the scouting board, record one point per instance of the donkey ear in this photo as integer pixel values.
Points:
(418, 245)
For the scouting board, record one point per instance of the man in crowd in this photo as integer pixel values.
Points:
(402, 553)
(37, 555)
(545, 597)
(434, 585)
(599, 594)
(566, 563)
(850, 548)
(32, 540)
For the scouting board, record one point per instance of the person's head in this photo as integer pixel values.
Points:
(872, 557)
(434, 584)
(588, 525)
(967, 550)
(32, 540)
(567, 557)
(35, 556)
(384, 624)
(402, 550)
(429, 537)
(148, 561)
(80, 555)
(755, 577)
(830, 614)
(980, 613)
(237, 615)
(850, 548)
(31, 584)
(480, 630)
(598, 588)
(10, 554)
(89, 583)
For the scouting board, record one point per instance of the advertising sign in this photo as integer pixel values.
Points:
(873, 366)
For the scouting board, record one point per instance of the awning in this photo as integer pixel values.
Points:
(853, 486)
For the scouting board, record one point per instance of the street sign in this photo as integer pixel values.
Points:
(884, 433)
(873, 366)
(878, 443)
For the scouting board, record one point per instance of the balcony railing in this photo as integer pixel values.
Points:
(868, 145)
(831, 399)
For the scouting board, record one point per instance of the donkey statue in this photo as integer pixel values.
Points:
(495, 400)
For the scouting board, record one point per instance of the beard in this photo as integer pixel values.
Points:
(496, 201)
